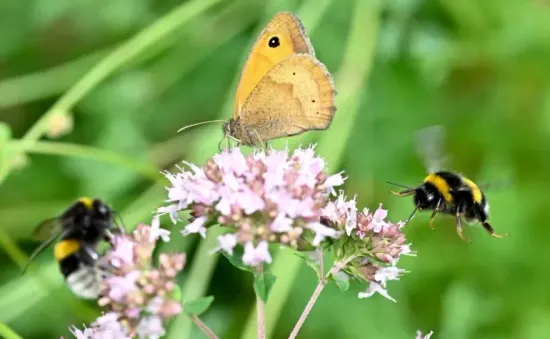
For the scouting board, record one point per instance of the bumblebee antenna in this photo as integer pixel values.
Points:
(400, 185)
(199, 123)
(122, 226)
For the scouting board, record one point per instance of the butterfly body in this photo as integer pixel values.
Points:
(284, 90)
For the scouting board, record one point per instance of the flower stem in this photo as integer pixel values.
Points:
(260, 312)
(320, 286)
(316, 293)
(203, 327)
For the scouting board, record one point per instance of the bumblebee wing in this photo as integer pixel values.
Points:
(42, 246)
(430, 146)
(47, 228)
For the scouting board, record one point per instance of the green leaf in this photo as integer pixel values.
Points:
(310, 259)
(341, 280)
(263, 283)
(176, 293)
(237, 259)
(5, 134)
(198, 306)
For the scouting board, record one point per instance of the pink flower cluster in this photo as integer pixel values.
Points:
(374, 244)
(138, 296)
(262, 198)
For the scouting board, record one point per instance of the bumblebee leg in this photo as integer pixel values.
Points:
(432, 220)
(492, 232)
(404, 193)
(433, 215)
(459, 229)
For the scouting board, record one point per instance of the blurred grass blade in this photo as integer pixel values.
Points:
(350, 79)
(46, 83)
(115, 60)
(8, 333)
(97, 154)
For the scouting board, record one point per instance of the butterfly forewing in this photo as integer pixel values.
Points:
(283, 36)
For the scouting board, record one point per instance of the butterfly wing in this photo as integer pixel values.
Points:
(296, 95)
(283, 36)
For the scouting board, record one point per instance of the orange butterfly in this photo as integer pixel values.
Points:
(284, 90)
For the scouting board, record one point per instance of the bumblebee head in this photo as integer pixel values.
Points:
(101, 209)
(425, 197)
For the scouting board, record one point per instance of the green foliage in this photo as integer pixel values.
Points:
(263, 282)
(198, 306)
(341, 280)
(479, 68)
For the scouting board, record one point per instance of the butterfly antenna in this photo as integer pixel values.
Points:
(199, 123)
(400, 185)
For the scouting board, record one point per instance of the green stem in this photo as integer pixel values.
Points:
(115, 60)
(92, 153)
(8, 333)
(197, 281)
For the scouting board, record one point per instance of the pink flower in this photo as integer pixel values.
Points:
(343, 212)
(375, 287)
(281, 224)
(263, 197)
(321, 231)
(157, 232)
(106, 326)
(378, 219)
(150, 327)
(374, 244)
(121, 286)
(138, 295)
(123, 252)
(196, 226)
(227, 243)
(255, 256)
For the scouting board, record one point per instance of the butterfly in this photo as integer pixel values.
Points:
(283, 90)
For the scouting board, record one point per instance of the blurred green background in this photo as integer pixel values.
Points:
(479, 68)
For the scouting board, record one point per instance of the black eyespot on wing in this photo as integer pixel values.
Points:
(312, 100)
(274, 42)
(293, 73)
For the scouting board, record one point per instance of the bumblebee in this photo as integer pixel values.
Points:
(80, 229)
(447, 192)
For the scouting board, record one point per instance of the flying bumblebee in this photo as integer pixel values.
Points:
(80, 229)
(445, 191)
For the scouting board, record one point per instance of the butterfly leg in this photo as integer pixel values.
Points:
(489, 229)
(259, 140)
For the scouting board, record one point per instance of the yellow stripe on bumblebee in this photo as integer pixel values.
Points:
(65, 248)
(89, 203)
(441, 185)
(476, 192)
